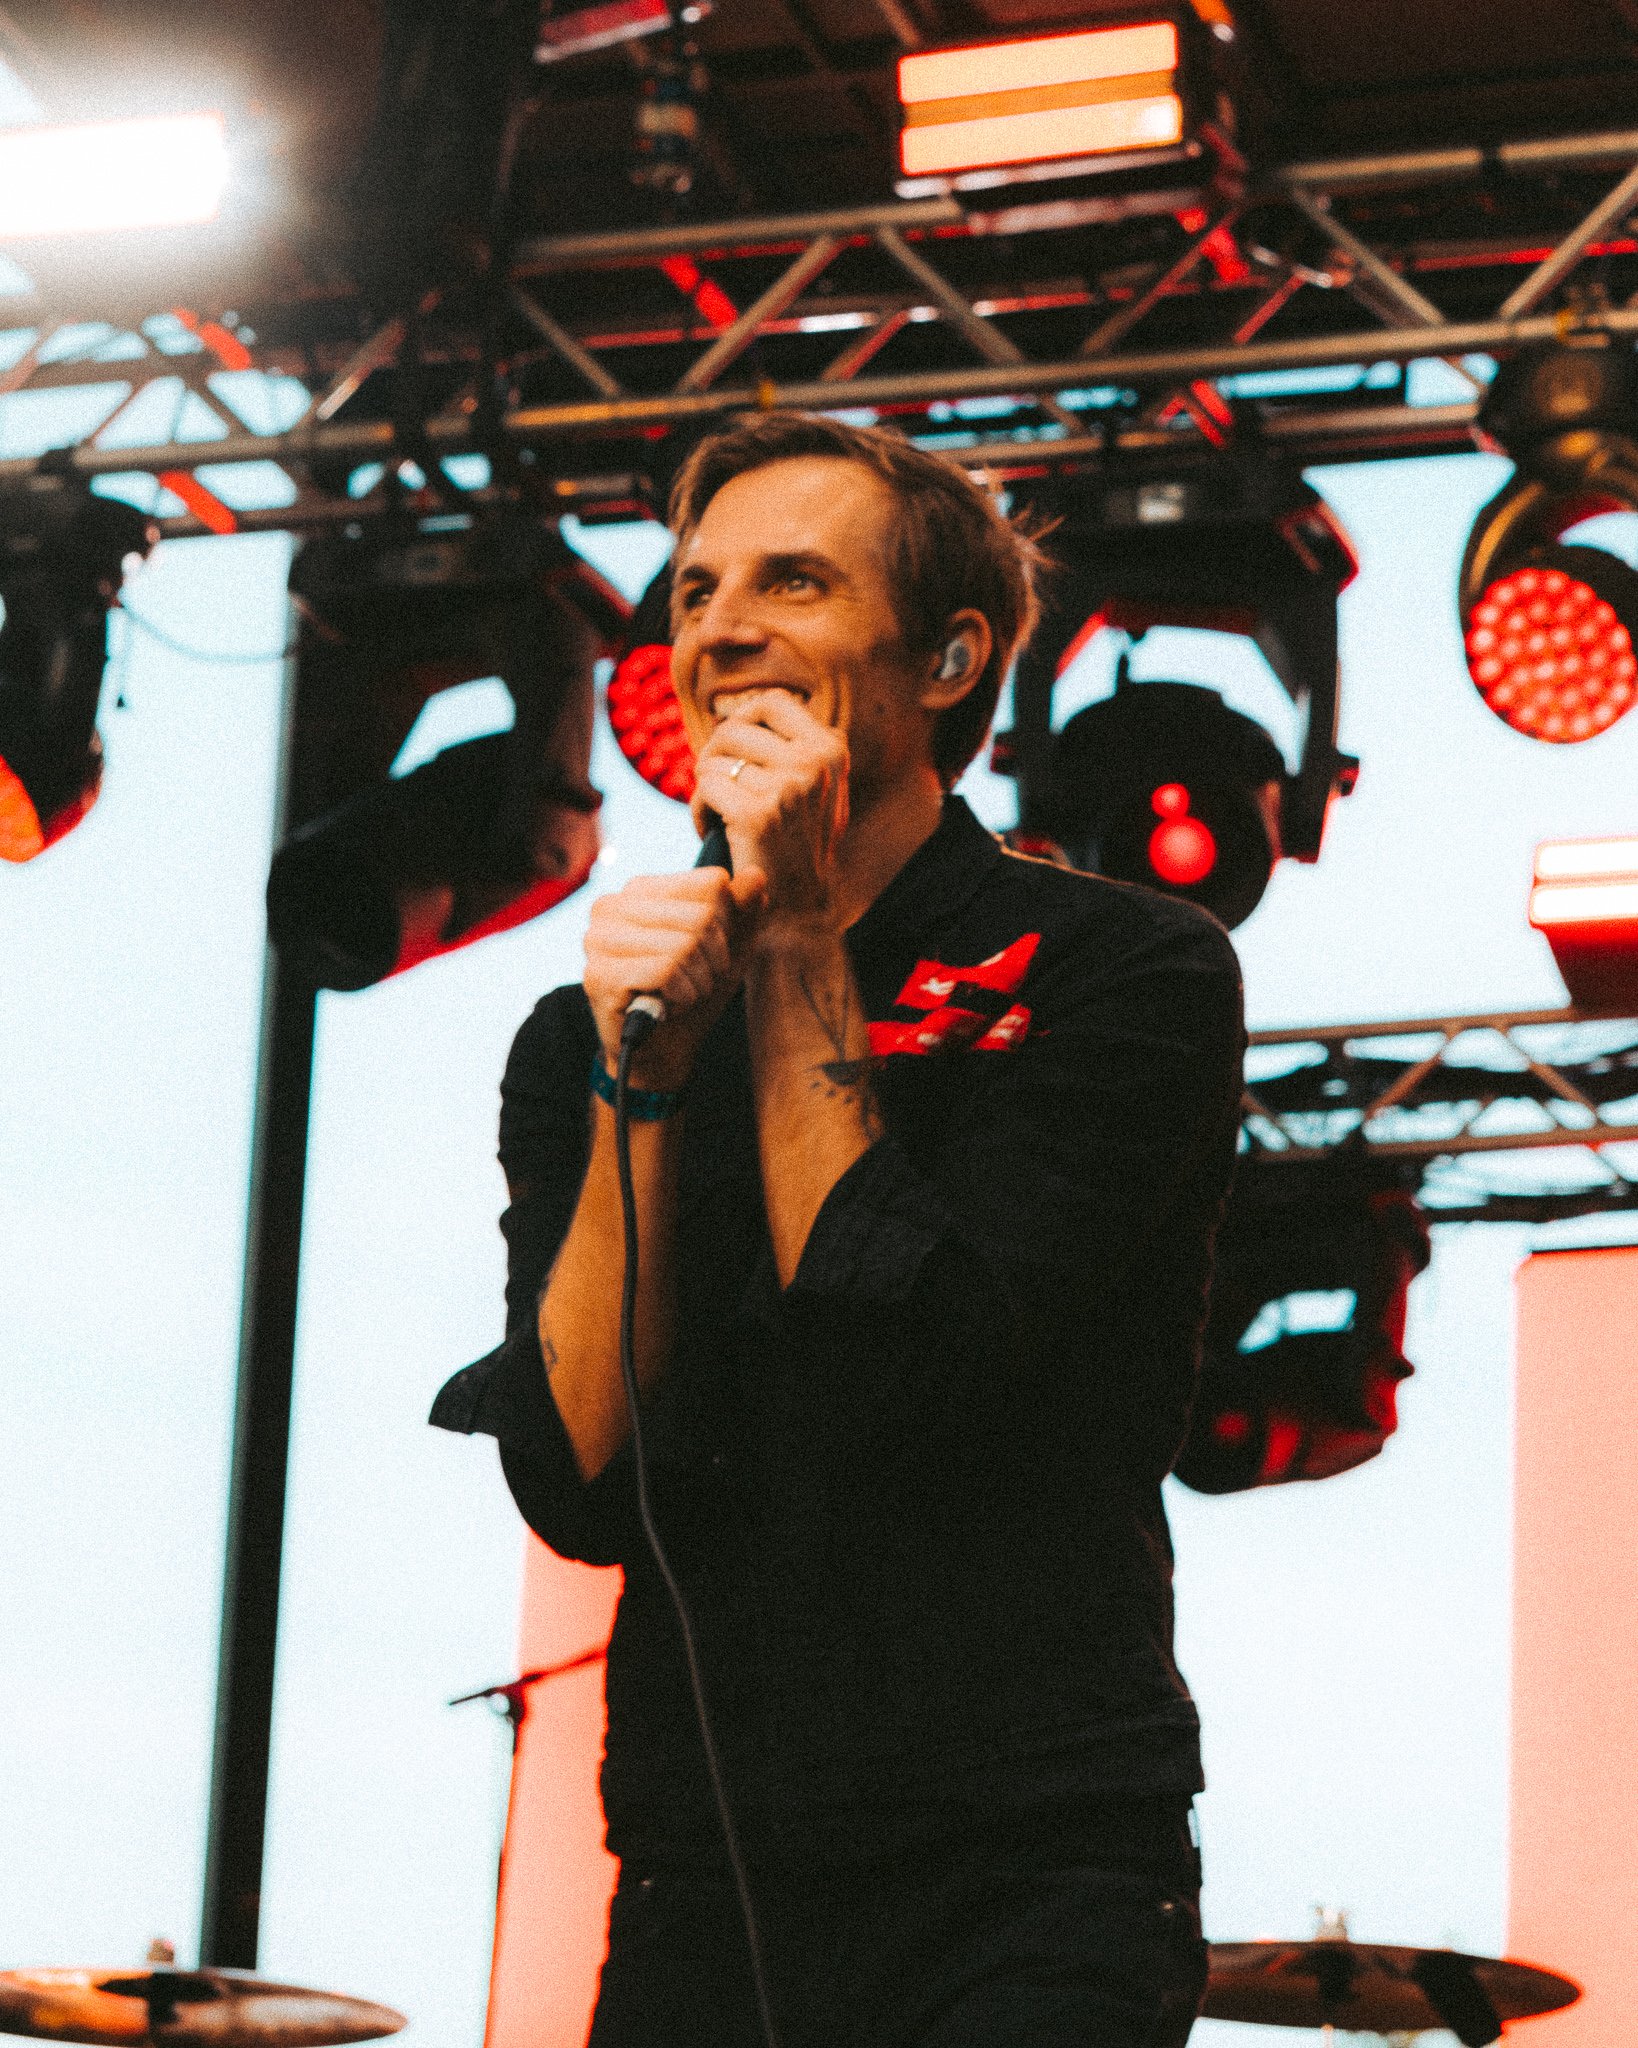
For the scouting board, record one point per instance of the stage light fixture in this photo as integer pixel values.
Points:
(1162, 783)
(1095, 92)
(63, 555)
(642, 705)
(1304, 1345)
(385, 872)
(1548, 644)
(1585, 904)
(93, 177)
(1548, 627)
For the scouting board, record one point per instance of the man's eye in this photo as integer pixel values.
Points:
(798, 580)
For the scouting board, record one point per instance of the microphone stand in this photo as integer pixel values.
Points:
(511, 1702)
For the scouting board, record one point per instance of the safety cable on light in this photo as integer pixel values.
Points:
(628, 1373)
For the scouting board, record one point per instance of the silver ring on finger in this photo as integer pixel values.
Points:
(735, 769)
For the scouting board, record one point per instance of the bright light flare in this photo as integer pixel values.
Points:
(1037, 61)
(1587, 903)
(1585, 882)
(102, 176)
(1586, 860)
(1090, 93)
(1550, 656)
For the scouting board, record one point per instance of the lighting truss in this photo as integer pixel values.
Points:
(1028, 356)
(1434, 1094)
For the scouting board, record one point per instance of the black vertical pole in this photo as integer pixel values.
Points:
(231, 1914)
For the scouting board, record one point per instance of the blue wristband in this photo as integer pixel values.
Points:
(643, 1105)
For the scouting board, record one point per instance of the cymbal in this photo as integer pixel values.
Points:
(1370, 1990)
(184, 2009)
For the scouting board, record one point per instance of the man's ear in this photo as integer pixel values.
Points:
(962, 657)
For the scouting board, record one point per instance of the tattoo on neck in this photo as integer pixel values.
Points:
(844, 1074)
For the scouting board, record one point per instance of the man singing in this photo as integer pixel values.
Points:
(928, 1154)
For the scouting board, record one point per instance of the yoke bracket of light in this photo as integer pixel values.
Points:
(1549, 628)
(1094, 98)
(381, 871)
(1164, 783)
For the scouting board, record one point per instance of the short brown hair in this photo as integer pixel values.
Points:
(953, 547)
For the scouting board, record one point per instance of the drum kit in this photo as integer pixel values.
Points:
(1330, 1982)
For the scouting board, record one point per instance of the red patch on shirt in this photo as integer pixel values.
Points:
(950, 1026)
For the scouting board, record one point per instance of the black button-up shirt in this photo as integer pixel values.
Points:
(913, 1497)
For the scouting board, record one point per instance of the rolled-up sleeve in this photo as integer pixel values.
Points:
(544, 1141)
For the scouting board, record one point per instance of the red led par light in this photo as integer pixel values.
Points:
(642, 705)
(1585, 903)
(1549, 646)
(1548, 628)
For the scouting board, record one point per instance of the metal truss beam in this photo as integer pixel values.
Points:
(924, 264)
(595, 418)
(1425, 1093)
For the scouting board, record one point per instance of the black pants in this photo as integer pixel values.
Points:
(1076, 1932)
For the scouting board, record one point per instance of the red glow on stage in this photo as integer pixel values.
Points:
(23, 832)
(222, 342)
(710, 301)
(20, 835)
(1182, 850)
(204, 504)
(1550, 656)
(648, 724)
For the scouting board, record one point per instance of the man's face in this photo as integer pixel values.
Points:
(783, 585)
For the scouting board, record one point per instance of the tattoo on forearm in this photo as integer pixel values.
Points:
(845, 1073)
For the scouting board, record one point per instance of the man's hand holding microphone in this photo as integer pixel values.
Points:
(776, 778)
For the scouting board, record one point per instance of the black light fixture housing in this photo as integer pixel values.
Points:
(63, 555)
(1163, 783)
(384, 872)
(1549, 628)
(1308, 1403)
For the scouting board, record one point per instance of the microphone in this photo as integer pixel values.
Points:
(644, 1013)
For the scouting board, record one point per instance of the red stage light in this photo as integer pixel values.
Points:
(1182, 850)
(1548, 651)
(647, 721)
(20, 835)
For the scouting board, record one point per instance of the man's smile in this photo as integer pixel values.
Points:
(727, 703)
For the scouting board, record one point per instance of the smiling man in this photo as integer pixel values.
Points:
(928, 1155)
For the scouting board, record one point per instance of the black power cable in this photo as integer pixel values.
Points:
(637, 1027)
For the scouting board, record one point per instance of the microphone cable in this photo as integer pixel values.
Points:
(639, 1023)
